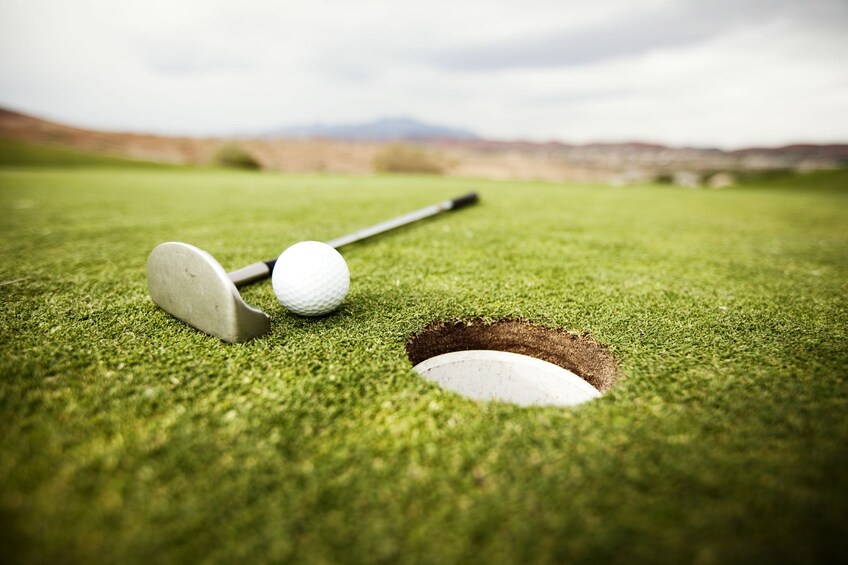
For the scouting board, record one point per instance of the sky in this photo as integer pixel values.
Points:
(720, 73)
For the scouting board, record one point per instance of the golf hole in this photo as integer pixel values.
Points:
(513, 361)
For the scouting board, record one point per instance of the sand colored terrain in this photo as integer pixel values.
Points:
(620, 163)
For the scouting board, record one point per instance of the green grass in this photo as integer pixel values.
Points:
(14, 154)
(128, 437)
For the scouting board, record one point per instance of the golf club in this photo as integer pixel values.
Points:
(191, 285)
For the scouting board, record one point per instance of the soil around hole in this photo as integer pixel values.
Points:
(581, 355)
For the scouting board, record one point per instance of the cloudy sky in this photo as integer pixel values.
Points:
(725, 73)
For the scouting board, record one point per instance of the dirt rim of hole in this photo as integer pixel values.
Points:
(580, 354)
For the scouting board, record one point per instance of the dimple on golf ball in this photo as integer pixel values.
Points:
(310, 278)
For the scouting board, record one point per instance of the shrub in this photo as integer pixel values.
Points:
(406, 159)
(236, 157)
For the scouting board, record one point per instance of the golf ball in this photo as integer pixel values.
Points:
(310, 278)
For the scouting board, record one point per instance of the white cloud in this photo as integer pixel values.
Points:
(758, 72)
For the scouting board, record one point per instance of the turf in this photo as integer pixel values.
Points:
(17, 154)
(128, 437)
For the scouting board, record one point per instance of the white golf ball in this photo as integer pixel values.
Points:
(310, 278)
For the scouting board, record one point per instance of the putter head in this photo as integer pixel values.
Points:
(191, 285)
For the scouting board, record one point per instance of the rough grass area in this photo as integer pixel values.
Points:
(127, 437)
(15, 154)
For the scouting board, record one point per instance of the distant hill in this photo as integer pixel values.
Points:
(341, 149)
(386, 129)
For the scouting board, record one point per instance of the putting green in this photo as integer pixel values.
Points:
(129, 437)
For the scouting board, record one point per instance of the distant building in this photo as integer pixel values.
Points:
(688, 179)
(721, 180)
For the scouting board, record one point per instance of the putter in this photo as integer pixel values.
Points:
(191, 285)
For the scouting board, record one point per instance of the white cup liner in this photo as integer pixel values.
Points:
(489, 375)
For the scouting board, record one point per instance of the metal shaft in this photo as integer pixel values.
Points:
(383, 227)
(263, 269)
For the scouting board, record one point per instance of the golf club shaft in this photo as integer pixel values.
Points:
(263, 269)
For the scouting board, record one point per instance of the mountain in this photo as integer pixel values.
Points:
(386, 129)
